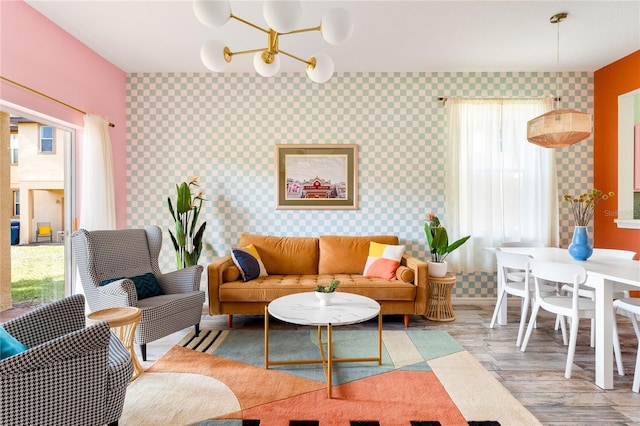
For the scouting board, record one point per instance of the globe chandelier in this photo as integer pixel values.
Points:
(559, 128)
(282, 17)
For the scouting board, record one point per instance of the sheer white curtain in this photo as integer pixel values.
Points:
(499, 187)
(97, 206)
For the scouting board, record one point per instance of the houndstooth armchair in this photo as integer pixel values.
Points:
(118, 255)
(70, 375)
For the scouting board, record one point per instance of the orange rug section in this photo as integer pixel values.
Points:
(252, 385)
(395, 397)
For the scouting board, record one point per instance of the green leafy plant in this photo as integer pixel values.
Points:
(333, 286)
(583, 205)
(187, 241)
(438, 239)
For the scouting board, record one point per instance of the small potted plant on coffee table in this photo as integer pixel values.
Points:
(326, 292)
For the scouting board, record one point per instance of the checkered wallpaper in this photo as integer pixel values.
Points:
(223, 128)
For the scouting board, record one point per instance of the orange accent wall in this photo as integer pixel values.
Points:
(615, 79)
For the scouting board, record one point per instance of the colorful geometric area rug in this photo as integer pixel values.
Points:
(218, 379)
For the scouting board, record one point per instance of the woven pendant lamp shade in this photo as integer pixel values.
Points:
(559, 128)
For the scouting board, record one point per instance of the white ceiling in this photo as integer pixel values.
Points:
(389, 36)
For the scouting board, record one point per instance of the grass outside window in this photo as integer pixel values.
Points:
(37, 274)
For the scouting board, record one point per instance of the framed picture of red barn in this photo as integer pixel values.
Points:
(317, 176)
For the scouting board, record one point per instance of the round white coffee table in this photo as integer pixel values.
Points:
(305, 309)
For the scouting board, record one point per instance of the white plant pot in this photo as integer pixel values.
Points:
(437, 269)
(325, 298)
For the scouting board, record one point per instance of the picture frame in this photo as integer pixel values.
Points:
(317, 176)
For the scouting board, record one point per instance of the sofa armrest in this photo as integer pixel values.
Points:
(421, 280)
(215, 272)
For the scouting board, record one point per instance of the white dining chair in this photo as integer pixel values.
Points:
(513, 268)
(569, 306)
(590, 293)
(629, 307)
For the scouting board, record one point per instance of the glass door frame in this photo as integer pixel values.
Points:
(69, 184)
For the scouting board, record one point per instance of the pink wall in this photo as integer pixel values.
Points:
(39, 54)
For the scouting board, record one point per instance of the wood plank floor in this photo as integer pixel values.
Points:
(535, 378)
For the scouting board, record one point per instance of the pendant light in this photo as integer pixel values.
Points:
(283, 18)
(560, 127)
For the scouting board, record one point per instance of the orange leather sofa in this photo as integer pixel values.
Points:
(298, 264)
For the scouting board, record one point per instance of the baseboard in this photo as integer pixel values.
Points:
(483, 301)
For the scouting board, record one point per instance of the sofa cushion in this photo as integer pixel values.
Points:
(405, 274)
(266, 289)
(383, 260)
(248, 261)
(347, 255)
(285, 255)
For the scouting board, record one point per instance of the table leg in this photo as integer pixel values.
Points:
(329, 360)
(266, 337)
(502, 311)
(604, 331)
(126, 334)
(380, 338)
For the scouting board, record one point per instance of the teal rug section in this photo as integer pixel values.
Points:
(247, 346)
(434, 344)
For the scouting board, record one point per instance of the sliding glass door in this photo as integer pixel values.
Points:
(42, 194)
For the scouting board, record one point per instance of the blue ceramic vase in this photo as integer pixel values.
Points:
(580, 247)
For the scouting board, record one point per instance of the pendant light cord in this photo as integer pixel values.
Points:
(556, 99)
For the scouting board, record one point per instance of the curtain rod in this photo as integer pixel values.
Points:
(46, 96)
(444, 100)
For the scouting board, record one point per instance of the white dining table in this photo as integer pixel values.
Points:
(605, 274)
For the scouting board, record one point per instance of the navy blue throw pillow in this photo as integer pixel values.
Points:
(248, 265)
(146, 285)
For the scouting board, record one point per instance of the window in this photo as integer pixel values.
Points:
(14, 148)
(16, 203)
(46, 139)
(499, 186)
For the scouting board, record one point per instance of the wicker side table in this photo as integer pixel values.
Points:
(123, 321)
(439, 307)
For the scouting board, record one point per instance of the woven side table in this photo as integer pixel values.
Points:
(123, 322)
(439, 307)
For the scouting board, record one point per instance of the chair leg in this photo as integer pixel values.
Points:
(573, 338)
(143, 351)
(501, 297)
(616, 348)
(197, 327)
(523, 320)
(406, 320)
(593, 333)
(229, 320)
(634, 322)
(563, 328)
(636, 375)
(534, 314)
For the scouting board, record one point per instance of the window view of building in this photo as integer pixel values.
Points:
(46, 139)
(16, 204)
(37, 181)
